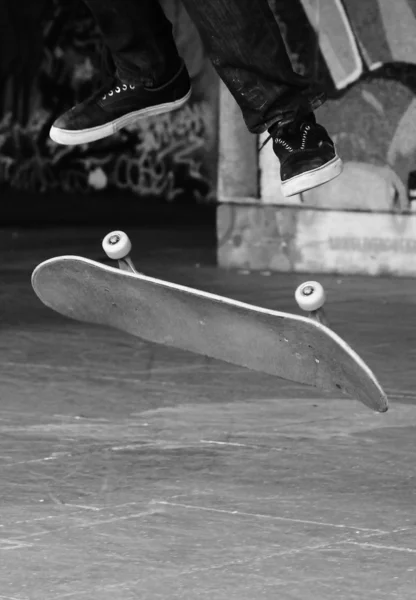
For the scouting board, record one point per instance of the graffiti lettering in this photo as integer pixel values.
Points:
(6, 168)
(164, 146)
(373, 244)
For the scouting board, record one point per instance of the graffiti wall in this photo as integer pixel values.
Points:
(170, 157)
(364, 53)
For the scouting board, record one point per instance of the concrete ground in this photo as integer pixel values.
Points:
(133, 471)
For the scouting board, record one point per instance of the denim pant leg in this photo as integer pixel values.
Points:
(246, 47)
(139, 38)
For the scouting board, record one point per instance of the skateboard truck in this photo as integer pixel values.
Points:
(117, 246)
(310, 297)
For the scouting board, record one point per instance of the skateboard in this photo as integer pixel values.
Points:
(294, 347)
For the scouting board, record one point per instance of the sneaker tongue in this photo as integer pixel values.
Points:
(118, 82)
(297, 126)
(293, 127)
(309, 119)
(290, 129)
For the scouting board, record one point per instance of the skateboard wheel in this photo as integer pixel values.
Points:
(117, 245)
(310, 296)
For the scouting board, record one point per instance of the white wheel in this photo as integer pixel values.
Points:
(117, 245)
(310, 296)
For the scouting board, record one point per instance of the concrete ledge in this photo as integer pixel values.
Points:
(278, 238)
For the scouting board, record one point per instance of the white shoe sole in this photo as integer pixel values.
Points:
(68, 137)
(306, 181)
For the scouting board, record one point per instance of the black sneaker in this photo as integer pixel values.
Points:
(307, 155)
(116, 105)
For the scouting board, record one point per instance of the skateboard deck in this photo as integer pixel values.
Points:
(290, 346)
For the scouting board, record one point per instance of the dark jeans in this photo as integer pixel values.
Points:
(241, 37)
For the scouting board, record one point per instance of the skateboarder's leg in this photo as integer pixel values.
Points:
(246, 47)
(139, 37)
(150, 78)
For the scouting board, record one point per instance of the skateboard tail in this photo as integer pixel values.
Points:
(374, 397)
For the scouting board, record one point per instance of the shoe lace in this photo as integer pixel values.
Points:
(265, 142)
(278, 140)
(119, 88)
(306, 130)
(282, 142)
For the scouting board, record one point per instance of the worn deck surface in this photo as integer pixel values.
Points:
(131, 471)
